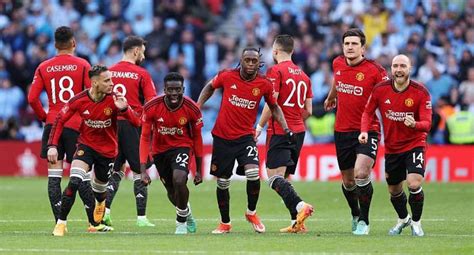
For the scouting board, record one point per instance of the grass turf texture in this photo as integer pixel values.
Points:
(26, 223)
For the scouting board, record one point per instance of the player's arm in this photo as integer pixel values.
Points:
(308, 108)
(145, 142)
(330, 102)
(367, 118)
(266, 114)
(63, 116)
(148, 87)
(206, 93)
(197, 148)
(36, 88)
(424, 111)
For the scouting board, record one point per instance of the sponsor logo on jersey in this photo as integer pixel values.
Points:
(233, 86)
(170, 130)
(349, 89)
(360, 76)
(388, 101)
(127, 75)
(242, 102)
(80, 152)
(86, 112)
(108, 111)
(61, 68)
(255, 91)
(98, 123)
(183, 120)
(409, 102)
(397, 116)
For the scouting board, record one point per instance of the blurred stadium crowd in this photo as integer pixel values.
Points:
(200, 37)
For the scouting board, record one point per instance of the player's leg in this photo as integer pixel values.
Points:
(346, 157)
(222, 164)
(416, 169)
(181, 190)
(69, 141)
(79, 169)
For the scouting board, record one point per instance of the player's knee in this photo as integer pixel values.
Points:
(414, 185)
(349, 184)
(361, 182)
(180, 181)
(273, 179)
(252, 174)
(77, 175)
(223, 183)
(99, 187)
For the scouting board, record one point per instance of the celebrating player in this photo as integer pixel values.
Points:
(62, 76)
(176, 124)
(133, 82)
(293, 92)
(233, 134)
(354, 78)
(99, 108)
(405, 106)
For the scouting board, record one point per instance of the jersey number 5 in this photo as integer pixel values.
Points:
(300, 96)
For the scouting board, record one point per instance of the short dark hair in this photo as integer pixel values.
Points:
(251, 49)
(63, 36)
(96, 70)
(286, 42)
(174, 76)
(132, 42)
(355, 32)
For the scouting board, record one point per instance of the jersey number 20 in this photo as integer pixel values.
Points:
(300, 96)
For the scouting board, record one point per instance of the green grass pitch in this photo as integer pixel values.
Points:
(26, 223)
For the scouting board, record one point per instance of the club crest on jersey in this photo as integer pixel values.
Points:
(80, 152)
(255, 91)
(409, 102)
(360, 76)
(108, 111)
(183, 120)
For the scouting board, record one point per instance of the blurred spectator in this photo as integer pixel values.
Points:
(11, 99)
(460, 126)
(92, 20)
(10, 131)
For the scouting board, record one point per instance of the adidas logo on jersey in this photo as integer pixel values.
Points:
(233, 86)
(338, 73)
(86, 112)
(388, 101)
(161, 120)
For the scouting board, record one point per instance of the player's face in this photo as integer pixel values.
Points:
(401, 69)
(250, 61)
(174, 92)
(352, 47)
(104, 82)
(275, 51)
(139, 54)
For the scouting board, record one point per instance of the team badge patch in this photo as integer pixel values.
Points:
(409, 102)
(80, 152)
(255, 91)
(183, 120)
(108, 111)
(360, 76)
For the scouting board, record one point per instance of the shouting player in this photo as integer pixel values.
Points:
(233, 133)
(176, 124)
(99, 108)
(405, 106)
(293, 92)
(63, 77)
(133, 82)
(354, 78)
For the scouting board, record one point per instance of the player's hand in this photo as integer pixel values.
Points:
(290, 135)
(198, 178)
(329, 104)
(258, 132)
(145, 178)
(120, 101)
(53, 155)
(363, 137)
(409, 121)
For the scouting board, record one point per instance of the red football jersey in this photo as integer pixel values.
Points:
(354, 85)
(63, 77)
(99, 122)
(294, 87)
(180, 127)
(134, 82)
(239, 105)
(395, 106)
